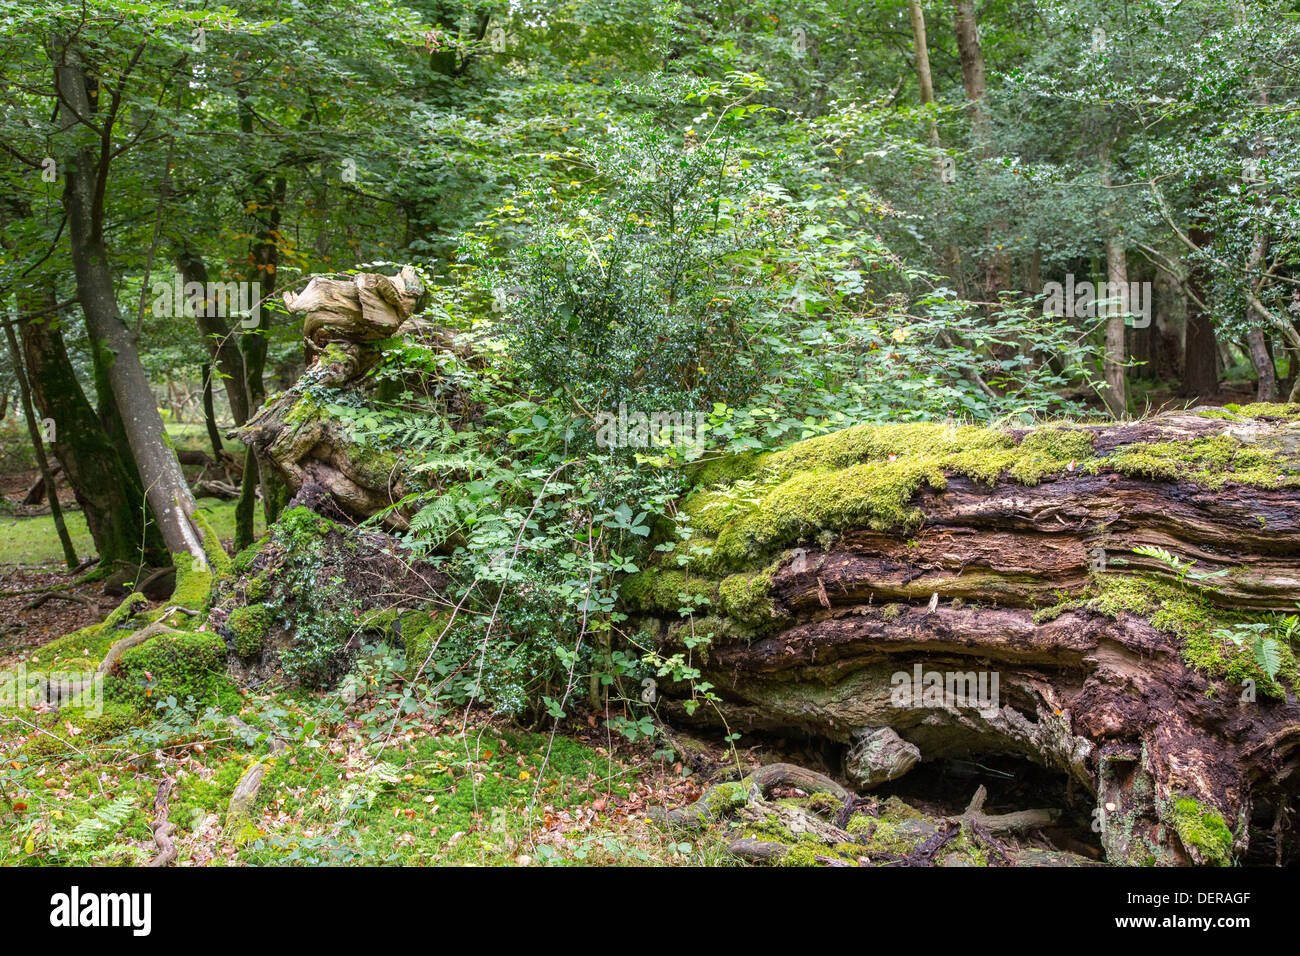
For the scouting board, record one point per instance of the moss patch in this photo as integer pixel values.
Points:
(172, 665)
(867, 476)
(1188, 614)
(667, 591)
(747, 599)
(1211, 462)
(248, 627)
(1202, 831)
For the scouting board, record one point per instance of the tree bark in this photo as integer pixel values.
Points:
(38, 446)
(1201, 347)
(924, 81)
(218, 339)
(266, 195)
(1003, 579)
(1116, 395)
(86, 171)
(106, 489)
(1256, 340)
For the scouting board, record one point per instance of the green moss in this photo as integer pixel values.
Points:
(1288, 410)
(822, 802)
(374, 468)
(172, 665)
(1049, 450)
(248, 627)
(243, 561)
(847, 479)
(193, 582)
(1211, 462)
(709, 510)
(1202, 830)
(304, 411)
(803, 854)
(132, 605)
(1220, 413)
(217, 557)
(729, 468)
(700, 632)
(256, 588)
(898, 830)
(747, 599)
(55, 739)
(1188, 614)
(666, 591)
(695, 554)
(301, 528)
(419, 630)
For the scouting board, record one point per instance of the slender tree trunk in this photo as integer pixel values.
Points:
(86, 170)
(1256, 339)
(924, 81)
(1113, 368)
(1201, 345)
(972, 71)
(38, 446)
(218, 339)
(210, 413)
(997, 272)
(266, 196)
(106, 488)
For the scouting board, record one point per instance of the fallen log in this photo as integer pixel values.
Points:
(1082, 597)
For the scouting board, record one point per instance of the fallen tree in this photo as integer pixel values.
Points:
(1088, 598)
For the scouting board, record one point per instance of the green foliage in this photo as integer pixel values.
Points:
(172, 666)
(310, 598)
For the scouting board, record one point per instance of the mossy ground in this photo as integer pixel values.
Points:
(336, 790)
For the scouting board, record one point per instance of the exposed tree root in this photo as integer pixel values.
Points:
(162, 827)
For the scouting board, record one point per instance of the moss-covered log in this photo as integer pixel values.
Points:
(1096, 599)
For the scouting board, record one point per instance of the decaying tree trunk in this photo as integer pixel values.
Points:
(1014, 618)
(1081, 597)
(343, 319)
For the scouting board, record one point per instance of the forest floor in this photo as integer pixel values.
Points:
(344, 781)
(343, 786)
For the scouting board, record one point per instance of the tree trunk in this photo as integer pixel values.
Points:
(267, 197)
(210, 414)
(1201, 346)
(86, 170)
(924, 82)
(1116, 395)
(1256, 339)
(830, 611)
(38, 446)
(972, 72)
(106, 489)
(218, 339)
